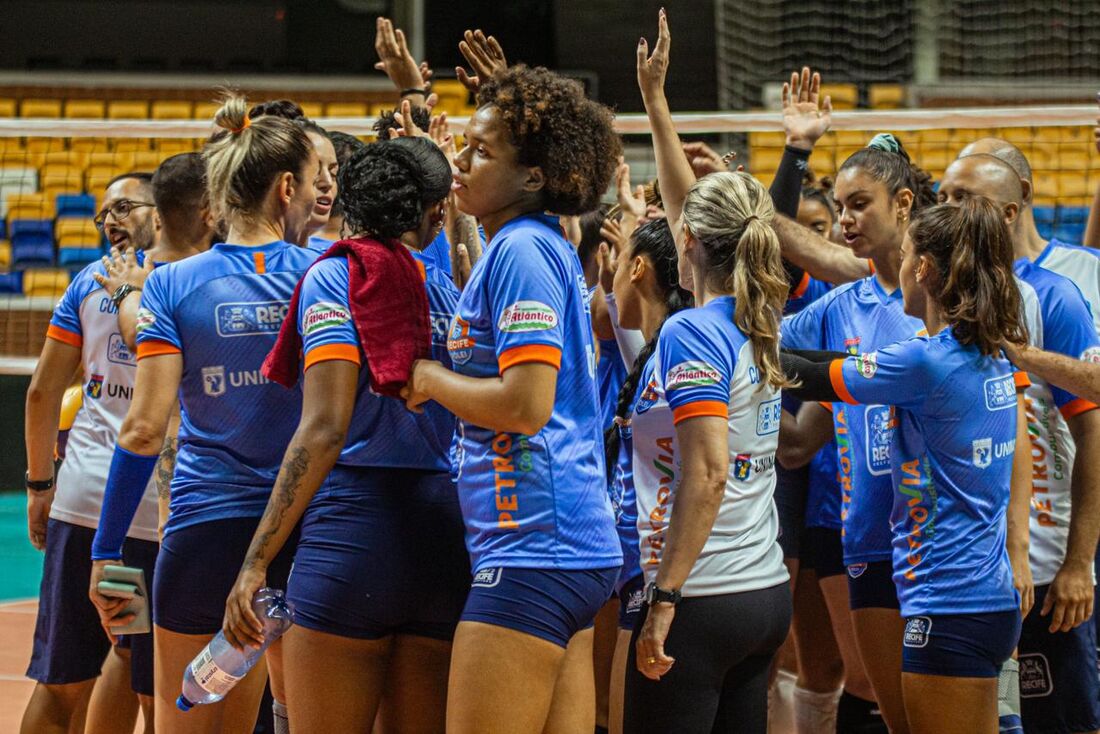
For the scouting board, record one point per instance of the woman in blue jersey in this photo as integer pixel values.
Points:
(205, 325)
(531, 477)
(877, 191)
(380, 573)
(953, 398)
(704, 430)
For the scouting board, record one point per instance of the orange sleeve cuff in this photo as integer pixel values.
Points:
(1077, 407)
(155, 348)
(529, 353)
(836, 377)
(64, 336)
(1021, 379)
(330, 352)
(800, 289)
(827, 406)
(715, 408)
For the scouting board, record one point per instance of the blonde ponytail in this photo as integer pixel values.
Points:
(730, 214)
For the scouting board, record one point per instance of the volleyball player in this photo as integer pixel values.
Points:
(345, 146)
(877, 190)
(1057, 651)
(70, 648)
(952, 397)
(206, 323)
(531, 478)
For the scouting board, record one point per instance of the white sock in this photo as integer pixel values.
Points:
(278, 712)
(781, 704)
(815, 713)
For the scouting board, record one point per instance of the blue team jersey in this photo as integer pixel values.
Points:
(382, 432)
(808, 291)
(951, 460)
(320, 244)
(610, 376)
(533, 501)
(624, 502)
(853, 318)
(823, 494)
(222, 309)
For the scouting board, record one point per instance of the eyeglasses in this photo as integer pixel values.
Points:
(120, 209)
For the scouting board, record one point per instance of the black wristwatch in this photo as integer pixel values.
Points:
(44, 485)
(121, 292)
(655, 594)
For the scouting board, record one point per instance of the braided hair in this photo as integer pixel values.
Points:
(653, 240)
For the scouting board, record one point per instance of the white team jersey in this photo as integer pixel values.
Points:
(1079, 264)
(85, 317)
(704, 366)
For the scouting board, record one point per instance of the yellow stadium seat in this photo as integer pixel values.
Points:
(938, 135)
(45, 145)
(131, 145)
(95, 183)
(45, 282)
(146, 160)
(115, 160)
(346, 109)
(76, 232)
(83, 109)
(7, 144)
(1046, 134)
(844, 96)
(168, 109)
(1044, 156)
(887, 96)
(66, 158)
(59, 176)
(40, 108)
(7, 107)
(764, 160)
(453, 97)
(170, 146)
(312, 109)
(1016, 135)
(1046, 184)
(1073, 183)
(30, 206)
(1073, 158)
(766, 140)
(205, 110)
(933, 157)
(5, 254)
(89, 145)
(853, 137)
(844, 152)
(909, 138)
(21, 158)
(129, 109)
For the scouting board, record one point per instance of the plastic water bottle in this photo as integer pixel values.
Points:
(215, 670)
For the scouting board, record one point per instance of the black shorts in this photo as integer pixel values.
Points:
(791, 488)
(823, 551)
(631, 598)
(871, 586)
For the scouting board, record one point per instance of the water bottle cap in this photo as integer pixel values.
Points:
(183, 704)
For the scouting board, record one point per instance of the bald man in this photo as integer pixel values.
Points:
(1057, 651)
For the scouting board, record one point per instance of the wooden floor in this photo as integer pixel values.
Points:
(16, 636)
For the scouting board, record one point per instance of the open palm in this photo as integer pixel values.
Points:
(804, 120)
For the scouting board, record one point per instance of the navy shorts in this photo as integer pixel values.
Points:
(69, 643)
(960, 645)
(196, 570)
(871, 586)
(631, 599)
(546, 603)
(382, 552)
(791, 488)
(1059, 686)
(822, 551)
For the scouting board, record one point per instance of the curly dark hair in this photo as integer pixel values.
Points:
(386, 121)
(386, 186)
(555, 127)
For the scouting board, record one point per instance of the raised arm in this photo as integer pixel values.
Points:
(409, 78)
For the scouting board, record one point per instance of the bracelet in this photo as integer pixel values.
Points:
(43, 485)
(413, 90)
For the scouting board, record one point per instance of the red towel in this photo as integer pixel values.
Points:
(389, 306)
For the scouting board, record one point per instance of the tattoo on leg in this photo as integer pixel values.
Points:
(166, 467)
(294, 468)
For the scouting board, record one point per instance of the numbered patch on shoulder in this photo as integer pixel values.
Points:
(523, 316)
(145, 320)
(693, 373)
(324, 315)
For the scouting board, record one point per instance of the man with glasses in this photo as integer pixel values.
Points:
(70, 647)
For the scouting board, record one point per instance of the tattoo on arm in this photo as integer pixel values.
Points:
(166, 467)
(468, 235)
(295, 466)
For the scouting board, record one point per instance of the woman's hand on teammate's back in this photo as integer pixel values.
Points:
(240, 624)
(804, 120)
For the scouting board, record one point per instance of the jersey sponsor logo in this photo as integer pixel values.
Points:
(767, 417)
(118, 352)
(1036, 680)
(658, 516)
(844, 460)
(119, 391)
(692, 374)
(505, 498)
(586, 293)
(635, 600)
(95, 386)
(324, 315)
(1000, 393)
(918, 630)
(856, 570)
(879, 426)
(982, 452)
(524, 316)
(459, 342)
(250, 318)
(487, 578)
(1092, 354)
(912, 481)
(440, 323)
(867, 364)
(145, 319)
(648, 398)
(213, 381)
(106, 306)
(742, 467)
(851, 346)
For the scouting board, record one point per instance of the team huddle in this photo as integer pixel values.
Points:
(711, 459)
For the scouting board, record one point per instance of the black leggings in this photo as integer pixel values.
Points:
(723, 646)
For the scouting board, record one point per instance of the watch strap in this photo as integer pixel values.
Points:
(40, 485)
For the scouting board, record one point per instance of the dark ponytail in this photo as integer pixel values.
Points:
(654, 240)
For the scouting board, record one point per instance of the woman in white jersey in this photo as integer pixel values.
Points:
(705, 430)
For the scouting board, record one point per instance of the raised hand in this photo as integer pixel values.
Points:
(652, 69)
(395, 59)
(407, 127)
(483, 54)
(632, 202)
(439, 130)
(704, 160)
(803, 120)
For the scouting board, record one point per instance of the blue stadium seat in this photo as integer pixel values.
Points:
(11, 282)
(1045, 229)
(75, 205)
(1070, 232)
(1044, 214)
(3, 229)
(77, 256)
(31, 242)
(1079, 214)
